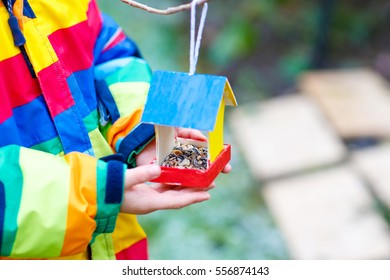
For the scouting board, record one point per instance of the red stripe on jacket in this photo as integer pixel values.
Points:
(95, 20)
(55, 89)
(137, 251)
(12, 92)
(74, 50)
(80, 37)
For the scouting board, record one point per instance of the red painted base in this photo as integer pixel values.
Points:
(195, 177)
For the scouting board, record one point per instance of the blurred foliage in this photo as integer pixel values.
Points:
(262, 47)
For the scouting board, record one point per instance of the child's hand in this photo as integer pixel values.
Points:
(188, 133)
(141, 198)
(149, 152)
(147, 155)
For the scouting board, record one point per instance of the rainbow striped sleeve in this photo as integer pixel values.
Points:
(122, 80)
(45, 200)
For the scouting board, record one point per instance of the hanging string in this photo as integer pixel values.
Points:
(194, 46)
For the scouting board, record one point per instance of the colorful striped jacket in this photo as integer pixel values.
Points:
(72, 89)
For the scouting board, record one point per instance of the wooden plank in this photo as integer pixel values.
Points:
(328, 215)
(284, 135)
(356, 101)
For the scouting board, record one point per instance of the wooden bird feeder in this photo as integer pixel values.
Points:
(180, 100)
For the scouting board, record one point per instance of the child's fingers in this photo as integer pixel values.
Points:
(227, 168)
(141, 174)
(191, 134)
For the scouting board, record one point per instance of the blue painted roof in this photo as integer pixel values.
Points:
(180, 100)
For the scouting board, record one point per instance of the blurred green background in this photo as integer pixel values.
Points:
(262, 47)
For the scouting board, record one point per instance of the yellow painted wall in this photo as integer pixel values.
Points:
(216, 136)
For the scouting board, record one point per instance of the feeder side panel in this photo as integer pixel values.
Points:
(165, 141)
(229, 95)
(216, 136)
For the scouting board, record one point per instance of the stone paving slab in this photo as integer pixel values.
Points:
(284, 135)
(356, 101)
(374, 165)
(328, 215)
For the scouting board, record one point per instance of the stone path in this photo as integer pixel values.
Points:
(357, 102)
(374, 166)
(328, 214)
(323, 196)
(285, 135)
